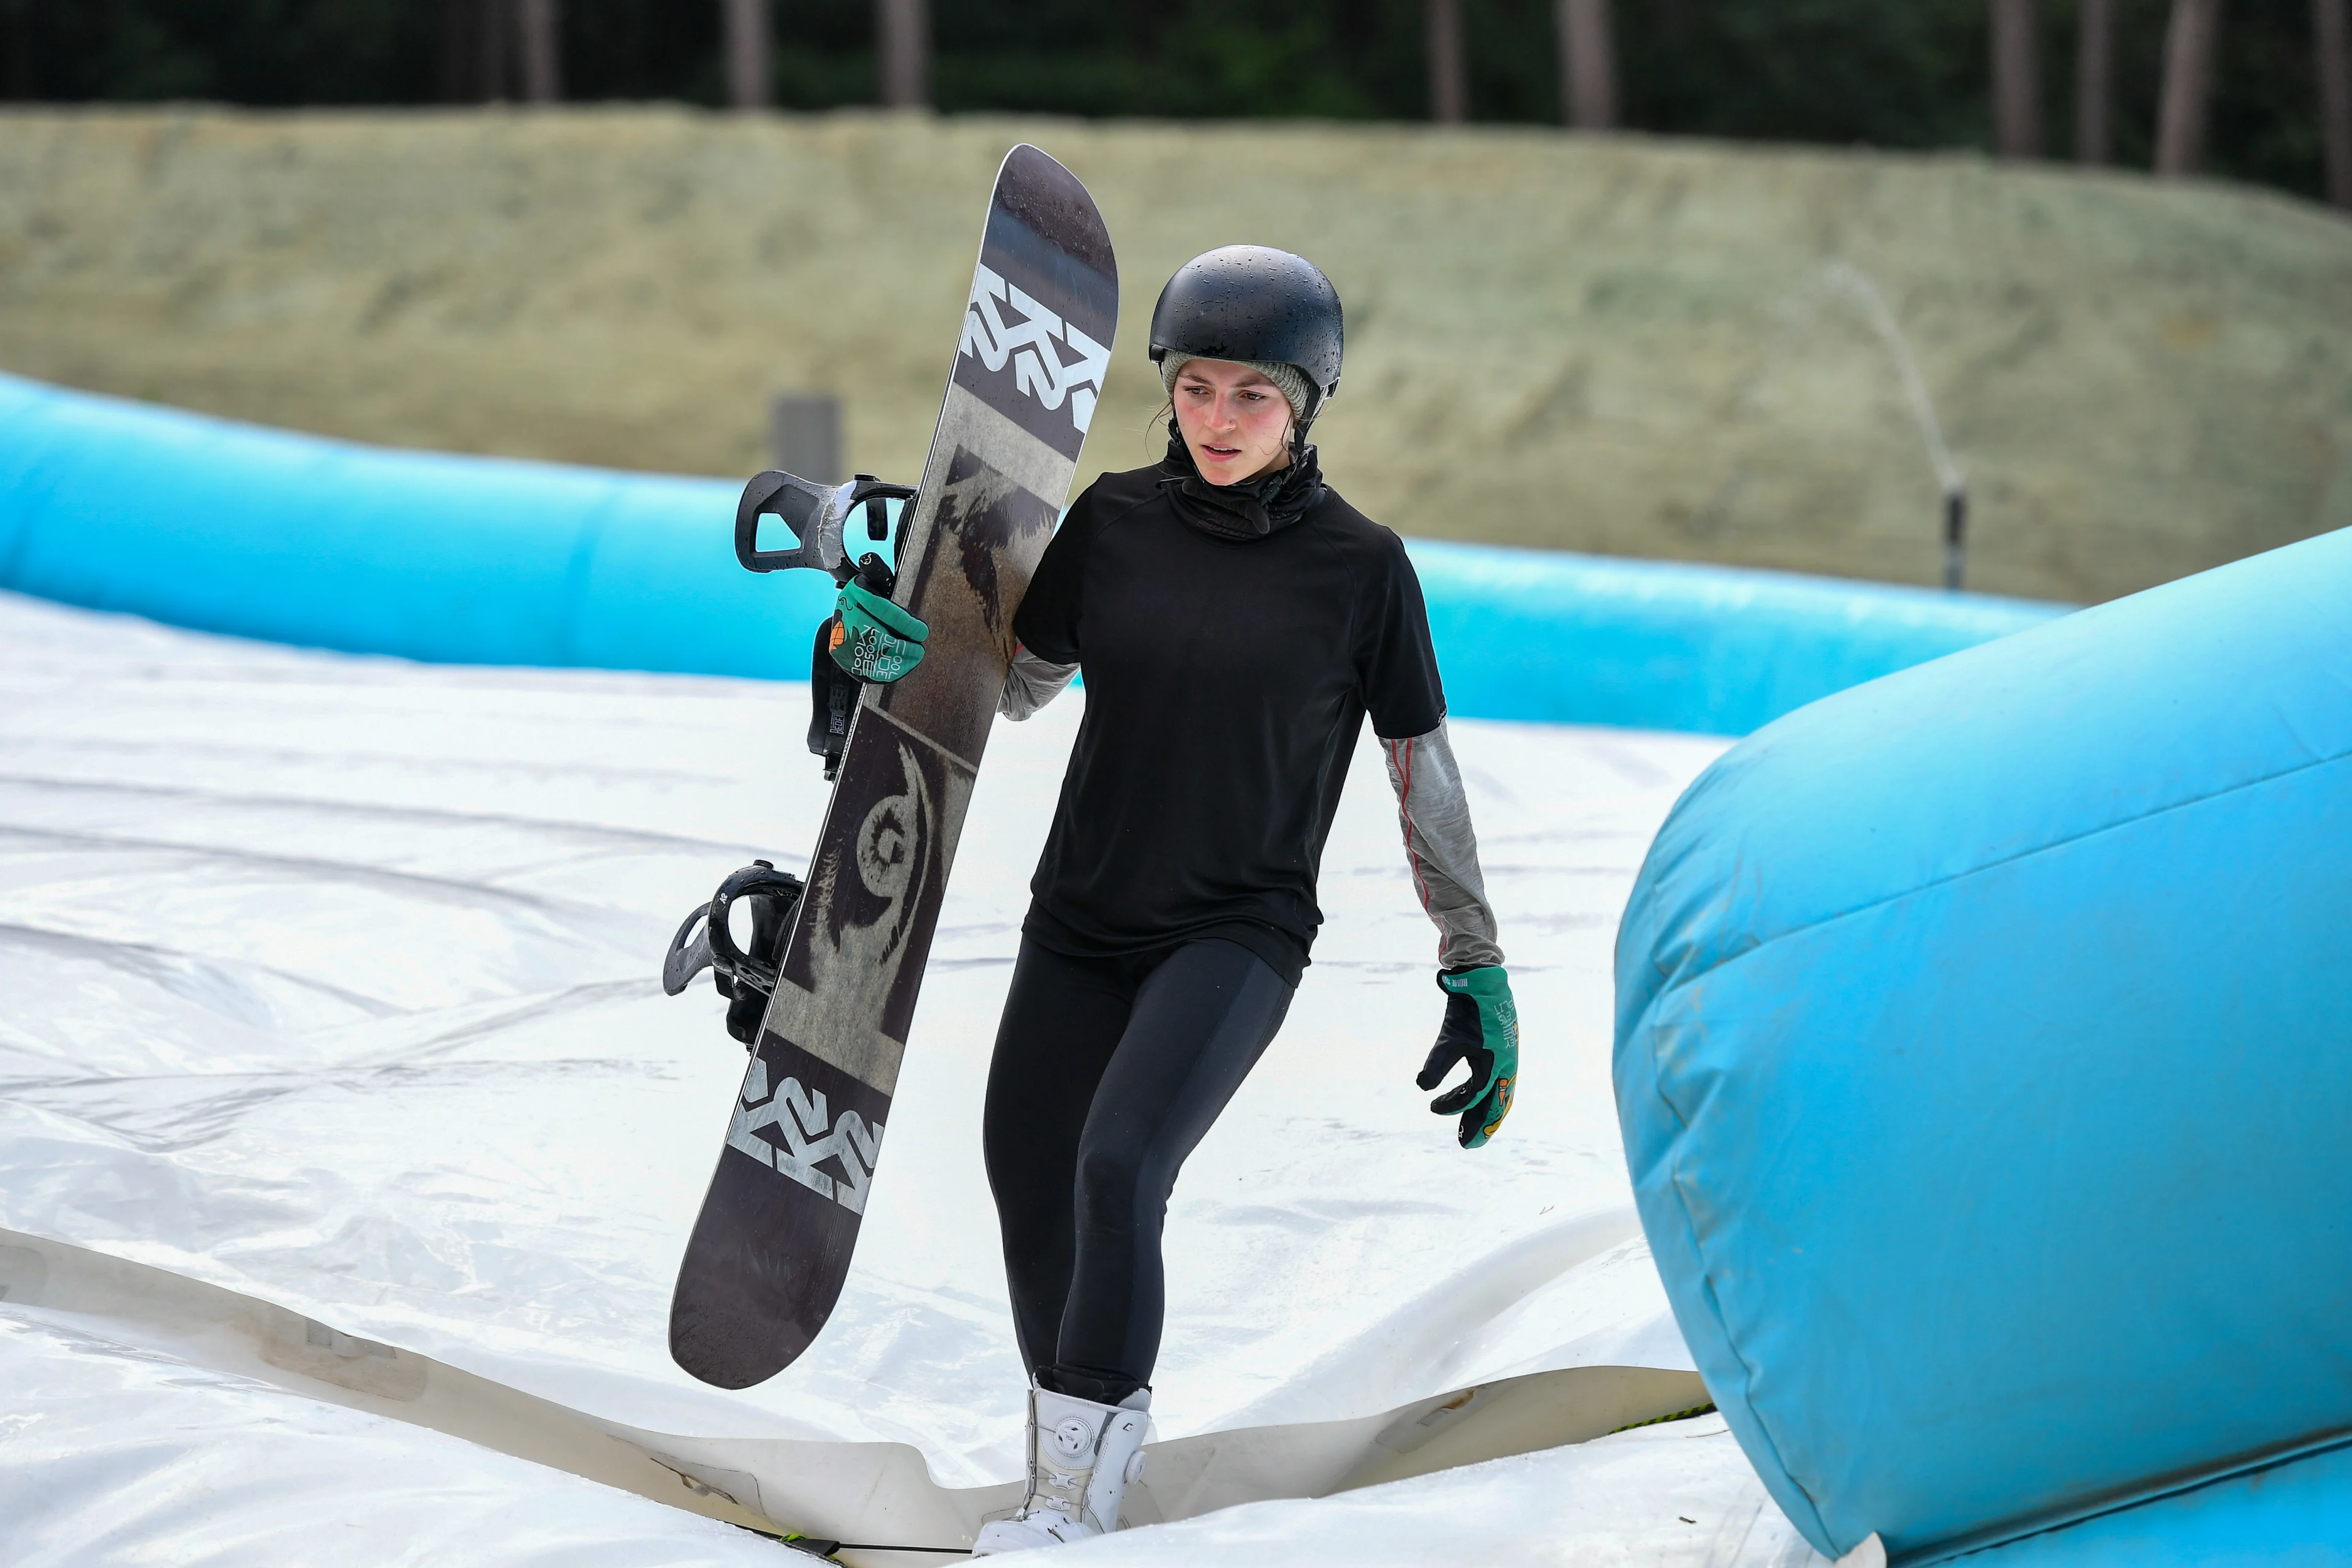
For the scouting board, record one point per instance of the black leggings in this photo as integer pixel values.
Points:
(1107, 1073)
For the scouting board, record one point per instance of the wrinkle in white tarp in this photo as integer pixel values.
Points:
(333, 981)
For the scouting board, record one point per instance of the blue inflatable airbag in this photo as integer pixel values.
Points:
(235, 527)
(2297, 1514)
(1984, 1058)
(232, 528)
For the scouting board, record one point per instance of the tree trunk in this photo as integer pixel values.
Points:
(2094, 80)
(750, 56)
(2331, 38)
(2189, 48)
(498, 50)
(457, 50)
(539, 28)
(2016, 83)
(20, 55)
(904, 30)
(1449, 64)
(1588, 63)
(476, 39)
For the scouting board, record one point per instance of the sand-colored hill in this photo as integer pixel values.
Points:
(1615, 344)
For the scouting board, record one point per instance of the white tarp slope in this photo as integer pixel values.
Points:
(114, 1454)
(332, 982)
(117, 1455)
(866, 1492)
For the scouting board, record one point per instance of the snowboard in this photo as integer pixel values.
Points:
(771, 1245)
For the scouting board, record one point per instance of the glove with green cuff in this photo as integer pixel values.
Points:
(1482, 1028)
(873, 638)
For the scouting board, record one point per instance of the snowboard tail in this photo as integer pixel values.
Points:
(767, 1263)
(771, 1246)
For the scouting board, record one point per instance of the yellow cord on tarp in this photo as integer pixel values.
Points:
(817, 1546)
(1706, 1409)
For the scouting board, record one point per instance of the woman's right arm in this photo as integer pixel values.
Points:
(1031, 682)
(1045, 624)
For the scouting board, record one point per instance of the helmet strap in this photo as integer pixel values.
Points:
(1299, 428)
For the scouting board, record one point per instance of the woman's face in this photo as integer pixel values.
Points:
(1236, 422)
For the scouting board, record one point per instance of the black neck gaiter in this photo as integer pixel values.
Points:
(1243, 511)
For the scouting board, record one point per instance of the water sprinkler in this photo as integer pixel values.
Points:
(1955, 532)
(1844, 279)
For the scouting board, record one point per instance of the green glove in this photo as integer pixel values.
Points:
(1482, 1028)
(873, 638)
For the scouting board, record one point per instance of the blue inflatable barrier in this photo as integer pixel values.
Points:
(2297, 1514)
(232, 528)
(1652, 645)
(1984, 1057)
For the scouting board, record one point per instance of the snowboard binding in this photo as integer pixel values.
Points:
(833, 690)
(746, 979)
(817, 514)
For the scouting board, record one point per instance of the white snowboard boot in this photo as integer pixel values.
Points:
(1082, 1456)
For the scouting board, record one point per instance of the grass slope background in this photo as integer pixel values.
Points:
(1616, 344)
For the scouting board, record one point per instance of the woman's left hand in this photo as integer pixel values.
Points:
(1482, 1028)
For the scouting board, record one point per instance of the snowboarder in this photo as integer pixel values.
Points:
(1238, 621)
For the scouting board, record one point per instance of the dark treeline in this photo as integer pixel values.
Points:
(1888, 73)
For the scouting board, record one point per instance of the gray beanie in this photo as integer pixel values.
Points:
(1286, 376)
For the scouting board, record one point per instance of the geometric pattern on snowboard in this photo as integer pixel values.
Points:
(771, 1245)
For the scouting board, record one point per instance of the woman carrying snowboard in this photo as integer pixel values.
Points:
(1237, 622)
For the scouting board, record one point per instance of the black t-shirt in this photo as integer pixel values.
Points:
(1225, 680)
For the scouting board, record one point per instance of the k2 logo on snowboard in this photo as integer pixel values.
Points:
(798, 1116)
(1027, 345)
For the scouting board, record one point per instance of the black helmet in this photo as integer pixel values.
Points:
(1252, 302)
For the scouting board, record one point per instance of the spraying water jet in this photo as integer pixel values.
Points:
(1842, 279)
